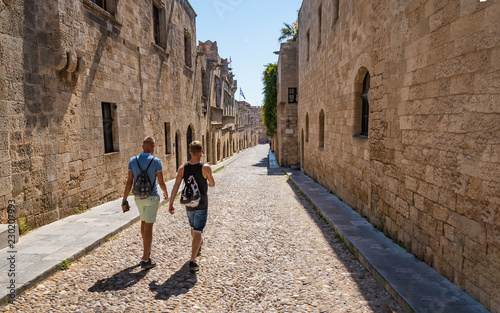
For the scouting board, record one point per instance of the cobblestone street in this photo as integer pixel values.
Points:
(265, 250)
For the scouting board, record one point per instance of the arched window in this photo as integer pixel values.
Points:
(365, 109)
(321, 140)
(361, 106)
(307, 127)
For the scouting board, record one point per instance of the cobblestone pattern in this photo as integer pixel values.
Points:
(266, 250)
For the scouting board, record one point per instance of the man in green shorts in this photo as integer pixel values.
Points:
(148, 207)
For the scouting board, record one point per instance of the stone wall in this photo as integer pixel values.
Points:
(287, 146)
(62, 61)
(428, 171)
(223, 109)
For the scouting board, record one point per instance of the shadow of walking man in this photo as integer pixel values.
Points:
(177, 284)
(119, 281)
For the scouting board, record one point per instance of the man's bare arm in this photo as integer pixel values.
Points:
(128, 187)
(175, 189)
(162, 185)
(207, 173)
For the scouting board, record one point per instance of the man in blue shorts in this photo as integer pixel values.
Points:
(197, 216)
(148, 207)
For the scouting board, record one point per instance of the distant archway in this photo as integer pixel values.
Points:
(218, 150)
(189, 139)
(208, 150)
(177, 151)
(307, 127)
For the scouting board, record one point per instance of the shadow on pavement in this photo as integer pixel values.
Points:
(177, 284)
(262, 163)
(270, 171)
(355, 269)
(119, 281)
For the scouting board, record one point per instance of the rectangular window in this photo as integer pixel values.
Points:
(204, 86)
(98, 5)
(187, 49)
(107, 124)
(156, 24)
(292, 95)
(101, 3)
(168, 143)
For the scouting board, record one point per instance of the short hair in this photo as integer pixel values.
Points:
(148, 141)
(195, 146)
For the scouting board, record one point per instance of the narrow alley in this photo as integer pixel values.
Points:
(265, 250)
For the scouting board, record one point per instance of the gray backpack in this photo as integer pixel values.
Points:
(142, 186)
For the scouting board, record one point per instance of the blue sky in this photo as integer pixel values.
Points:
(247, 31)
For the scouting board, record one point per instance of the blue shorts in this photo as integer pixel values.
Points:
(197, 219)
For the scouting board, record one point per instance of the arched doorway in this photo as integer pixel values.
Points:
(208, 149)
(189, 139)
(302, 150)
(218, 150)
(177, 151)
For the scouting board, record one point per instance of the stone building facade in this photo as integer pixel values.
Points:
(399, 116)
(250, 125)
(286, 145)
(225, 133)
(82, 83)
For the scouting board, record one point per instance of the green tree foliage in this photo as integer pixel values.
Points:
(269, 80)
(289, 32)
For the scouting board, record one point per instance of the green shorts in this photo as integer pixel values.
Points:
(148, 208)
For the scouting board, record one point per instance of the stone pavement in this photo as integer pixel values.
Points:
(416, 286)
(266, 250)
(39, 253)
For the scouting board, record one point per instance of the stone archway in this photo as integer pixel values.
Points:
(302, 150)
(189, 139)
(218, 150)
(177, 150)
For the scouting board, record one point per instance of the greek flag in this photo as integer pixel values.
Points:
(242, 94)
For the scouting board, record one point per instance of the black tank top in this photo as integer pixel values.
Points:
(196, 171)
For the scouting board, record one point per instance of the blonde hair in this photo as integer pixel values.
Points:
(148, 141)
(195, 146)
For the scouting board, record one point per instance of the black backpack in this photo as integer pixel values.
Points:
(191, 195)
(142, 186)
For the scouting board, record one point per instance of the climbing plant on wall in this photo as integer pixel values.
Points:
(269, 79)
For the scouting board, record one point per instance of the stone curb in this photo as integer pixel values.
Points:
(49, 267)
(415, 285)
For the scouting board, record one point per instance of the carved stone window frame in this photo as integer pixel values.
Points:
(188, 49)
(109, 14)
(162, 25)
